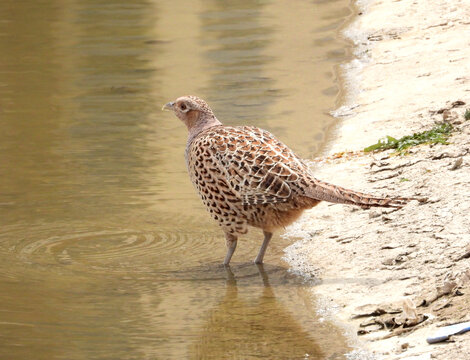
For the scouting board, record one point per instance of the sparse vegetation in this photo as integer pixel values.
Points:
(467, 114)
(438, 134)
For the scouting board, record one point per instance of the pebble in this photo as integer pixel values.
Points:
(457, 164)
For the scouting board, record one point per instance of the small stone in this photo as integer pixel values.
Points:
(457, 164)
(446, 288)
(458, 103)
(390, 246)
(449, 115)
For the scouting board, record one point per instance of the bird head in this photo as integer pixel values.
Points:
(191, 110)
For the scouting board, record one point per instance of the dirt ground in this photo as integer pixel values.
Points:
(394, 277)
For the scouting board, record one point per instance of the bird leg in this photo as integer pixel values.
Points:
(231, 242)
(264, 246)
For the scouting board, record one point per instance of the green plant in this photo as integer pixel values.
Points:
(438, 134)
(467, 114)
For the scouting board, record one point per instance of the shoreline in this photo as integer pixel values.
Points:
(409, 70)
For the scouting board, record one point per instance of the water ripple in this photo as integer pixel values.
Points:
(117, 250)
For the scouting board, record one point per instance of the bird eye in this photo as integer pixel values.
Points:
(183, 107)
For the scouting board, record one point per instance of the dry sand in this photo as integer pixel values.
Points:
(411, 69)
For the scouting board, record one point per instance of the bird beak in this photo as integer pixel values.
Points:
(168, 106)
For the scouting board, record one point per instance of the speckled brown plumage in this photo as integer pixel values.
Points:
(245, 176)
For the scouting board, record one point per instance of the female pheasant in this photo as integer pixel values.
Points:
(245, 176)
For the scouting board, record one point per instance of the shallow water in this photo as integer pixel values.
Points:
(106, 252)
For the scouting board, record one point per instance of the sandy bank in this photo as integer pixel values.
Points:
(411, 69)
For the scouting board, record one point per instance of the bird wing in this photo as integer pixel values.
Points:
(258, 167)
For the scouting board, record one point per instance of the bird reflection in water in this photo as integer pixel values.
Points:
(251, 322)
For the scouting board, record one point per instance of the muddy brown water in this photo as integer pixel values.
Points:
(106, 252)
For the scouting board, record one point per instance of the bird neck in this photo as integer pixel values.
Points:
(198, 124)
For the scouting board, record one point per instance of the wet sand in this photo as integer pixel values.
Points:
(410, 70)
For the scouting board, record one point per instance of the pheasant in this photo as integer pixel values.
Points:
(247, 177)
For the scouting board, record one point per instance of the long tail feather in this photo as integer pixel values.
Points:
(327, 192)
